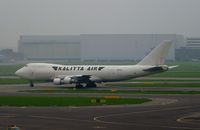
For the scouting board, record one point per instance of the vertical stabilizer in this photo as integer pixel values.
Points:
(157, 55)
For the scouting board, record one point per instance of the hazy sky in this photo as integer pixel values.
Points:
(35, 17)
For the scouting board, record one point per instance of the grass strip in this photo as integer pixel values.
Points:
(177, 74)
(8, 81)
(115, 91)
(9, 70)
(157, 84)
(67, 101)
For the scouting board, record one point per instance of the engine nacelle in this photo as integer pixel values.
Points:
(57, 81)
(66, 80)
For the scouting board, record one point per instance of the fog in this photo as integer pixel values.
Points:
(63, 17)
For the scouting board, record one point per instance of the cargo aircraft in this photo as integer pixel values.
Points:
(88, 75)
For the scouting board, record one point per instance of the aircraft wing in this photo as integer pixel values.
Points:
(81, 78)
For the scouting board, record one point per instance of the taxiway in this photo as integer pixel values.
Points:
(164, 113)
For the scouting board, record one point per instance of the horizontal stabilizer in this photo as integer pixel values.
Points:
(157, 69)
(174, 66)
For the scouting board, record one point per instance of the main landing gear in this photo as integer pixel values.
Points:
(91, 85)
(78, 85)
(88, 85)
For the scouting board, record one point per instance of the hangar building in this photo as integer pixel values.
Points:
(189, 52)
(95, 46)
(50, 47)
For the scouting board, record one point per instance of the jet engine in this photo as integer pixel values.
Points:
(57, 81)
(66, 80)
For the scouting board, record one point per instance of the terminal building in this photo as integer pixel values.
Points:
(95, 46)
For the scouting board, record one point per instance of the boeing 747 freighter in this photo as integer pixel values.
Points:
(89, 75)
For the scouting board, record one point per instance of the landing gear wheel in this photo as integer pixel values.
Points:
(31, 84)
(91, 85)
(79, 86)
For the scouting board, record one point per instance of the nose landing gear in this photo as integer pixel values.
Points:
(31, 84)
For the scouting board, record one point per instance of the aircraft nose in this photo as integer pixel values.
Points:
(22, 72)
(19, 72)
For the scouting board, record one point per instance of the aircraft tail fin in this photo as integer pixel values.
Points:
(157, 55)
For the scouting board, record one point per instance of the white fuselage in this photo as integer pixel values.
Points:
(99, 73)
